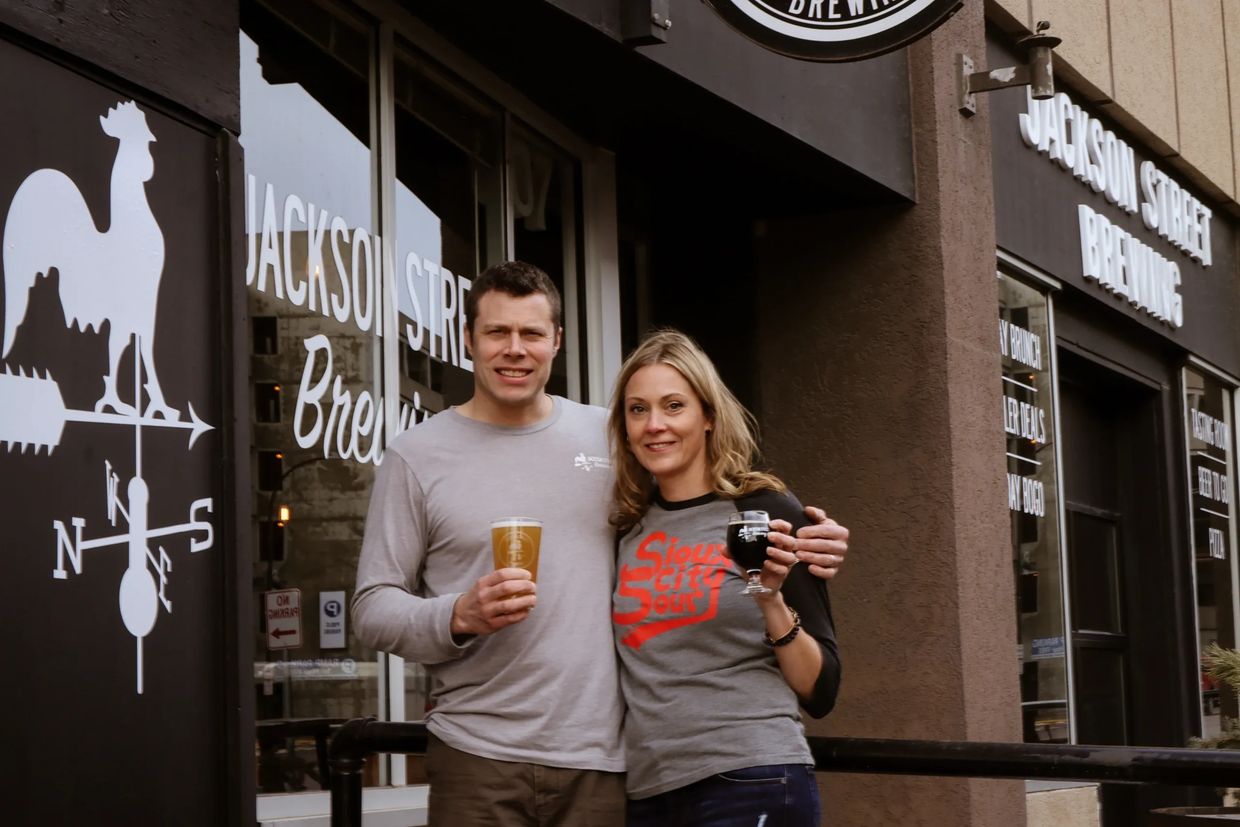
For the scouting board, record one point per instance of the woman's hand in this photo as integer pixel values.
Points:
(800, 659)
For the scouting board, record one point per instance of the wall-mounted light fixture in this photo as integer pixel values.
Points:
(1037, 72)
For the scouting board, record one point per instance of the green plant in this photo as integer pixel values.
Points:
(1222, 665)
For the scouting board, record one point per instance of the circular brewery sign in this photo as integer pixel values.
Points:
(834, 30)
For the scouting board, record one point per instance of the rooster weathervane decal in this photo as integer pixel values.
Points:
(110, 276)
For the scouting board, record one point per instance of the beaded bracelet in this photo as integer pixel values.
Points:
(787, 636)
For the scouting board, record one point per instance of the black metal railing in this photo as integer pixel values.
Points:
(361, 737)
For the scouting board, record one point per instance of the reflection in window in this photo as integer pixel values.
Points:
(270, 541)
(266, 340)
(1032, 494)
(449, 224)
(267, 402)
(321, 312)
(270, 470)
(542, 184)
(417, 366)
(1208, 430)
(313, 258)
(1045, 722)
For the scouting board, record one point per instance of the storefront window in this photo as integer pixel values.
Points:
(1208, 424)
(452, 220)
(1032, 495)
(449, 225)
(363, 240)
(317, 429)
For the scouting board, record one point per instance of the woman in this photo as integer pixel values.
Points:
(713, 734)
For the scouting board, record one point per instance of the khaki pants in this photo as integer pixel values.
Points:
(470, 791)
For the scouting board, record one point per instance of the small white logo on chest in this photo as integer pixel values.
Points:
(590, 463)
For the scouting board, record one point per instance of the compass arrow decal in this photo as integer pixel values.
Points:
(34, 413)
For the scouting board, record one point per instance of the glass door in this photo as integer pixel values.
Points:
(1099, 634)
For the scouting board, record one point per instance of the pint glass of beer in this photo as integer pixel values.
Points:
(514, 543)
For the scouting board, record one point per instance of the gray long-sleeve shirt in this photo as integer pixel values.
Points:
(545, 690)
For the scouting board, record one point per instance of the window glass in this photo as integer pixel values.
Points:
(1101, 695)
(312, 269)
(469, 190)
(1095, 574)
(452, 221)
(449, 225)
(1032, 495)
(542, 186)
(1207, 413)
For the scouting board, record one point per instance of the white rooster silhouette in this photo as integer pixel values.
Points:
(112, 275)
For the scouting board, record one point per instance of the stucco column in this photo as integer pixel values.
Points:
(882, 402)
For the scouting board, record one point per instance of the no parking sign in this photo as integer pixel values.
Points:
(283, 618)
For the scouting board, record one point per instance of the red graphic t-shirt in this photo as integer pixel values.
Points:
(674, 583)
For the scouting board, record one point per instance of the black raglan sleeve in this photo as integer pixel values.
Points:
(808, 595)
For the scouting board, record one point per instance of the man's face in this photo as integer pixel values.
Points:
(512, 343)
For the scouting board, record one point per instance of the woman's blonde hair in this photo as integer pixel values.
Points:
(731, 447)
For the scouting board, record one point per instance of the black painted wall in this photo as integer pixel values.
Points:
(185, 51)
(84, 745)
(796, 137)
(857, 113)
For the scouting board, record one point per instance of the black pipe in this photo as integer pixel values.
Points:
(353, 742)
(1076, 762)
(347, 757)
(358, 738)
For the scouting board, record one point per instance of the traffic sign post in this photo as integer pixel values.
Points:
(283, 610)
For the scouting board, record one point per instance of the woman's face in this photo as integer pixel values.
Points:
(667, 427)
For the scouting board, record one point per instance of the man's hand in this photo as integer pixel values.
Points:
(499, 599)
(780, 558)
(822, 545)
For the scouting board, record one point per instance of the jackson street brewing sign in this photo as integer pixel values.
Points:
(834, 30)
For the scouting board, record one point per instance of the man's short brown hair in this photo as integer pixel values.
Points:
(516, 278)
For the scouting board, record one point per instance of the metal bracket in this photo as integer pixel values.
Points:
(1037, 72)
(645, 22)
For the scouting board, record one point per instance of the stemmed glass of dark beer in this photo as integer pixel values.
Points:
(747, 544)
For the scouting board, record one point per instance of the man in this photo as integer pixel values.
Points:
(527, 716)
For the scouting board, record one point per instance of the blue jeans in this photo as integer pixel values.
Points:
(782, 795)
